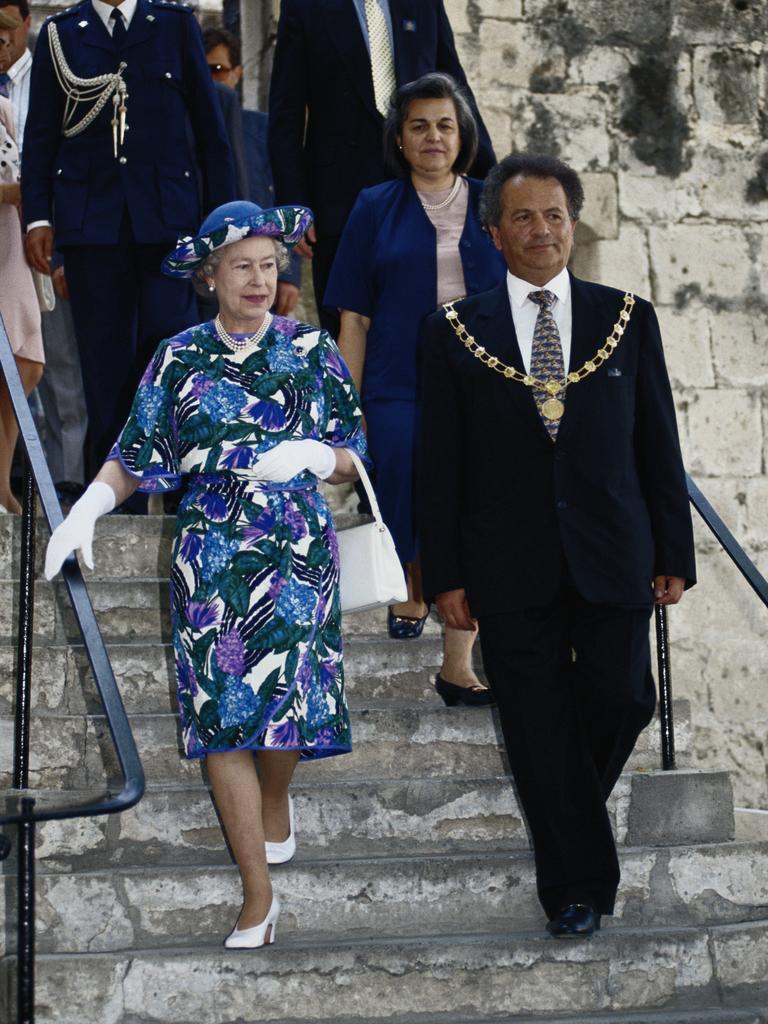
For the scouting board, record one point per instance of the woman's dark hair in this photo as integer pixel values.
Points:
(528, 165)
(434, 86)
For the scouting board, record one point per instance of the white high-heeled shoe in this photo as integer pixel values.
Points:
(281, 853)
(253, 938)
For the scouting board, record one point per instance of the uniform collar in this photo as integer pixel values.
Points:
(519, 290)
(127, 8)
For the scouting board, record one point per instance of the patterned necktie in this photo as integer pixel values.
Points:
(546, 358)
(4, 80)
(118, 32)
(382, 61)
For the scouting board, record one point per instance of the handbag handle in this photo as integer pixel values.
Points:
(366, 482)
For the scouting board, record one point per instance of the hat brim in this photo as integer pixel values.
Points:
(286, 224)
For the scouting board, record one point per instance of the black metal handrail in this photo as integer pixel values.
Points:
(751, 574)
(37, 478)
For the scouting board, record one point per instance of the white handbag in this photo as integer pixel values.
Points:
(370, 571)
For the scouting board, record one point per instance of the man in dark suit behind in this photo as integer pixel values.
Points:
(118, 200)
(553, 517)
(325, 118)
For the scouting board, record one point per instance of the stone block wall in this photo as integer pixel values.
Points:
(663, 107)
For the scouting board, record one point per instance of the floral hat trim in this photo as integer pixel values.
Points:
(289, 224)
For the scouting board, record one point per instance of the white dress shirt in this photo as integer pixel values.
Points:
(524, 312)
(127, 8)
(18, 93)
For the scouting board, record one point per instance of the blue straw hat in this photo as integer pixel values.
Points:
(231, 223)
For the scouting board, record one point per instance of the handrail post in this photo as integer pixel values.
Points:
(666, 719)
(25, 954)
(26, 629)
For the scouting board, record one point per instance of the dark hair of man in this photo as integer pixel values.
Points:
(222, 37)
(21, 4)
(434, 86)
(528, 165)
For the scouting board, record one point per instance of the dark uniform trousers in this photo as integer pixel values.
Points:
(574, 690)
(123, 307)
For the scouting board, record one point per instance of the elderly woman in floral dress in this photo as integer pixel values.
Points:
(254, 409)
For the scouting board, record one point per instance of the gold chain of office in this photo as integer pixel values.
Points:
(553, 408)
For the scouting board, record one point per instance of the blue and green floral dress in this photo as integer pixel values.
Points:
(254, 582)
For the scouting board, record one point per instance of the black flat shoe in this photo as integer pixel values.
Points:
(404, 627)
(471, 696)
(576, 921)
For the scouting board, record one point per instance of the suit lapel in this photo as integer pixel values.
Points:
(339, 20)
(142, 25)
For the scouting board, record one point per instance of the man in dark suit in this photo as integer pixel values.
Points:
(247, 130)
(554, 512)
(118, 182)
(326, 111)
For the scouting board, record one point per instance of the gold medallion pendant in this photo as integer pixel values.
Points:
(553, 408)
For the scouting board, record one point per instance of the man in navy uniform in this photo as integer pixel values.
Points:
(336, 64)
(111, 165)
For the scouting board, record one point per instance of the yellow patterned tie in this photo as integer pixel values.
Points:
(546, 354)
(382, 61)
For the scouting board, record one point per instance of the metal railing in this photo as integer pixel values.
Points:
(751, 574)
(37, 482)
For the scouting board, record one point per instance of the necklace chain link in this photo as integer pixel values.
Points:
(552, 387)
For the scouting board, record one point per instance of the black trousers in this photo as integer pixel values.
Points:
(574, 690)
(123, 307)
(323, 253)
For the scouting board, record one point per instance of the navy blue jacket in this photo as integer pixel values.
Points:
(502, 507)
(77, 183)
(262, 187)
(321, 80)
(386, 269)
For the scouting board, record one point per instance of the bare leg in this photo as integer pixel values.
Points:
(30, 373)
(276, 768)
(415, 607)
(457, 658)
(238, 799)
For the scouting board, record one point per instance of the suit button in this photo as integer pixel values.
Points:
(186, 174)
(123, 160)
(168, 74)
(59, 170)
(562, 504)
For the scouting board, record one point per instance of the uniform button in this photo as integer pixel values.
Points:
(123, 160)
(59, 170)
(562, 504)
(186, 174)
(168, 74)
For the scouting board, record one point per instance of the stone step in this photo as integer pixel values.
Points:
(136, 610)
(376, 671)
(717, 1015)
(76, 751)
(175, 825)
(134, 908)
(467, 978)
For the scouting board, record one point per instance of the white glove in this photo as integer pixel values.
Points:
(76, 532)
(289, 458)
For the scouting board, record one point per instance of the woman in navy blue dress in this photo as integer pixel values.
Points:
(409, 245)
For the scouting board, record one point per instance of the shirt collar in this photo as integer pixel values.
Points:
(127, 8)
(22, 64)
(519, 289)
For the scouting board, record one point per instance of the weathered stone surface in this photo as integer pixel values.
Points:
(600, 216)
(739, 349)
(723, 433)
(708, 262)
(620, 263)
(726, 82)
(667, 808)
(687, 346)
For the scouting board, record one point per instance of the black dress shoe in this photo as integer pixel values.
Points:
(471, 696)
(404, 627)
(576, 921)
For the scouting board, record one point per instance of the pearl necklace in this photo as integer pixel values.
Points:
(429, 207)
(238, 344)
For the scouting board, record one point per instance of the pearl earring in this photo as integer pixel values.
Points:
(211, 287)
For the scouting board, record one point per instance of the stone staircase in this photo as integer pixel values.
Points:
(412, 898)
